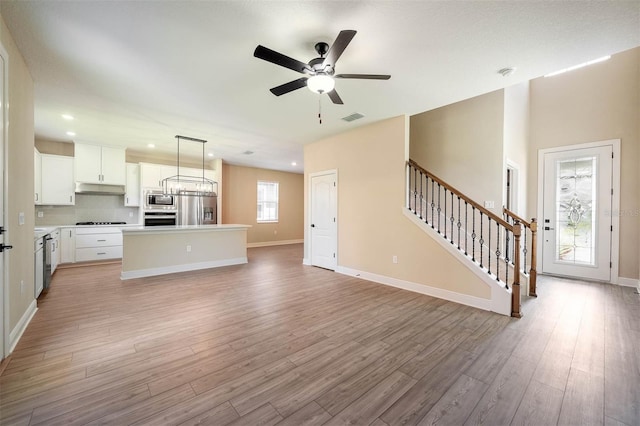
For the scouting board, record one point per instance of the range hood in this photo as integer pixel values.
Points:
(99, 189)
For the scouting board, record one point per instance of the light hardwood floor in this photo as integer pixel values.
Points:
(276, 342)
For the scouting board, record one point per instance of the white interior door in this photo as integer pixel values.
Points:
(324, 220)
(4, 303)
(577, 205)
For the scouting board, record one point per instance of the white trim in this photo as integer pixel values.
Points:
(628, 282)
(306, 261)
(615, 199)
(310, 207)
(274, 243)
(440, 293)
(22, 324)
(140, 273)
(500, 297)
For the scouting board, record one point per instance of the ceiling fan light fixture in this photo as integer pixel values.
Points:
(321, 83)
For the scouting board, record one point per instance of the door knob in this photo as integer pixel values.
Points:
(312, 225)
(546, 228)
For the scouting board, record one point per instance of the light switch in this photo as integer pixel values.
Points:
(489, 204)
(21, 218)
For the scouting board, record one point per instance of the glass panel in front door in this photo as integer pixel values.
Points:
(576, 212)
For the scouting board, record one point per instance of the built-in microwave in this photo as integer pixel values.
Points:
(157, 200)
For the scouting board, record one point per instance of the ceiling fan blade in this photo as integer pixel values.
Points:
(277, 58)
(333, 95)
(338, 46)
(289, 87)
(364, 76)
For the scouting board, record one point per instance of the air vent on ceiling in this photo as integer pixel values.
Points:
(353, 117)
(248, 152)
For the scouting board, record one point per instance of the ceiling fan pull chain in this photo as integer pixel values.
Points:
(320, 108)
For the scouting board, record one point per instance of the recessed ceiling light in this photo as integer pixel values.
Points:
(210, 154)
(68, 117)
(150, 145)
(293, 163)
(575, 67)
(71, 133)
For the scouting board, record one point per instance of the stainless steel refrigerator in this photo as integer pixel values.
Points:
(196, 208)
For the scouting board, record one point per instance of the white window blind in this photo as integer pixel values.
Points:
(267, 201)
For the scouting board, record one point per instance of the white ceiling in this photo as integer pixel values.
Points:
(139, 72)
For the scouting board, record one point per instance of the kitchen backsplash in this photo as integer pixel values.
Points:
(96, 208)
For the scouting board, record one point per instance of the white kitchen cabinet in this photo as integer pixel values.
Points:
(151, 175)
(37, 177)
(100, 164)
(55, 250)
(98, 243)
(67, 245)
(132, 189)
(58, 185)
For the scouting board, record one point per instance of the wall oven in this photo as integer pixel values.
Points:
(159, 218)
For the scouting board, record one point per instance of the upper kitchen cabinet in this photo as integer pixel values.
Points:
(132, 189)
(100, 164)
(37, 178)
(58, 188)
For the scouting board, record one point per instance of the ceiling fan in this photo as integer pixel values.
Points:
(320, 72)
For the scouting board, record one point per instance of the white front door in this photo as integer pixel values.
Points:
(323, 220)
(577, 206)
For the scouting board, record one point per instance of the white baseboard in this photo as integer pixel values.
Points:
(629, 282)
(274, 243)
(19, 329)
(440, 293)
(306, 261)
(140, 273)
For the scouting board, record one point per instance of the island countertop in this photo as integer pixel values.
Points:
(158, 250)
(183, 228)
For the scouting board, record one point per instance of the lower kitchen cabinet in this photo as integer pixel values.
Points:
(98, 243)
(67, 245)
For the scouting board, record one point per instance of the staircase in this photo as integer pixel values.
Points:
(493, 244)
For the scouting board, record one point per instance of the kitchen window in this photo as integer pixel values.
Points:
(267, 201)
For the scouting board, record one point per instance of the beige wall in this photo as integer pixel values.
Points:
(599, 102)
(239, 186)
(19, 183)
(516, 141)
(371, 194)
(462, 143)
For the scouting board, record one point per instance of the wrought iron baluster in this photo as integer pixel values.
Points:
(489, 246)
(466, 227)
(451, 219)
(445, 212)
(415, 190)
(433, 203)
(525, 249)
(506, 258)
(498, 251)
(473, 234)
(481, 241)
(421, 196)
(459, 224)
(439, 209)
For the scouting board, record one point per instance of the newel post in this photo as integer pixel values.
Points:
(515, 288)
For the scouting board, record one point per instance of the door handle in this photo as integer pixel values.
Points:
(312, 225)
(546, 228)
(3, 248)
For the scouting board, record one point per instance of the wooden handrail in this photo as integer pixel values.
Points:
(489, 214)
(516, 217)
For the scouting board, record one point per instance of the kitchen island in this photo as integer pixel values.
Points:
(159, 250)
